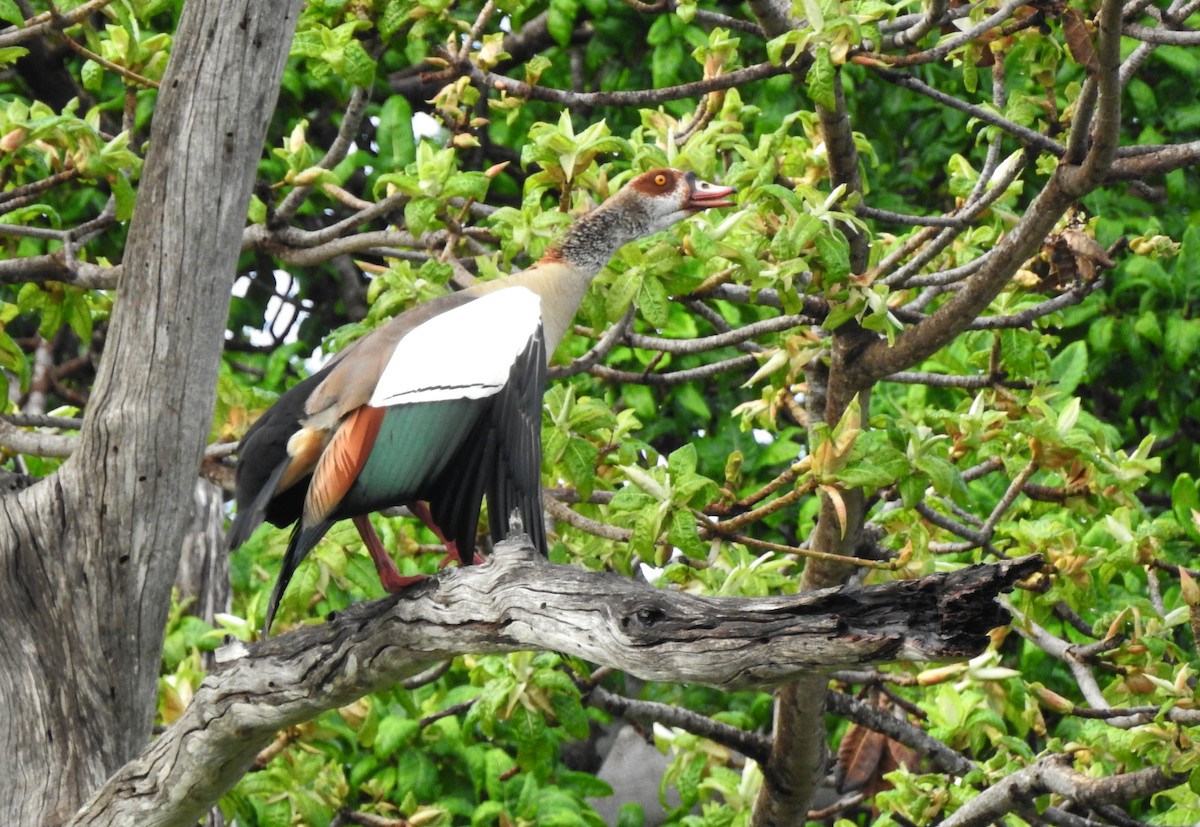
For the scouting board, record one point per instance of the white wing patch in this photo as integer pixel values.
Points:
(465, 353)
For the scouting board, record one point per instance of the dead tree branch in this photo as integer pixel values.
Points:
(518, 602)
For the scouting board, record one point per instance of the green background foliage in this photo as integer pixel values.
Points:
(1092, 408)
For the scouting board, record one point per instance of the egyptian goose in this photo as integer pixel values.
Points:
(442, 404)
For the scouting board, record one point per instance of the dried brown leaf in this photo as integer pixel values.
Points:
(1079, 41)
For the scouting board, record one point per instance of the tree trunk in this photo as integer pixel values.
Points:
(89, 554)
(203, 576)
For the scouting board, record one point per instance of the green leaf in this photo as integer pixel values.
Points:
(473, 185)
(393, 733)
(834, 252)
(620, 295)
(1100, 334)
(684, 535)
(568, 711)
(420, 215)
(488, 812)
(881, 466)
(78, 315)
(653, 302)
(560, 20)
(580, 457)
(124, 195)
(1181, 341)
(820, 79)
(1069, 367)
(969, 70)
(397, 147)
(631, 499)
(912, 489)
(814, 16)
(11, 54)
(1185, 502)
(645, 535)
(358, 67)
(665, 63)
(307, 43)
(1149, 326)
(682, 461)
(1020, 352)
(395, 15)
(583, 784)
(93, 75)
(12, 358)
(631, 814)
(11, 13)
(944, 476)
(689, 397)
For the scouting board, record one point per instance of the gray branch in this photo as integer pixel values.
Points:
(516, 602)
(1053, 774)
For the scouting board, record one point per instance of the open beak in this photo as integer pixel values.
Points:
(703, 195)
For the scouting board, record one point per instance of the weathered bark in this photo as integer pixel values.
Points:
(203, 576)
(88, 556)
(518, 601)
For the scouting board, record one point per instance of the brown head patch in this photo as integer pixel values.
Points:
(656, 181)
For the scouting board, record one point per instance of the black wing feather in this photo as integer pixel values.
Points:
(262, 460)
(502, 459)
(516, 479)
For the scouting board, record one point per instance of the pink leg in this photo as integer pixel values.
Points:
(391, 578)
(421, 511)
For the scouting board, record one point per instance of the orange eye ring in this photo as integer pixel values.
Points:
(660, 180)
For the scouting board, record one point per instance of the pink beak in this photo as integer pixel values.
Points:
(703, 195)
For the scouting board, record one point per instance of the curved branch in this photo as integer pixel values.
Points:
(1053, 774)
(1165, 37)
(351, 120)
(941, 50)
(51, 21)
(642, 97)
(706, 343)
(54, 267)
(751, 744)
(930, 18)
(675, 377)
(1026, 136)
(517, 602)
(598, 351)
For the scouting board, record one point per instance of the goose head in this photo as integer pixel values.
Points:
(649, 203)
(662, 197)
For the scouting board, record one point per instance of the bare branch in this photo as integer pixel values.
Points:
(899, 730)
(675, 377)
(1052, 774)
(643, 97)
(519, 602)
(598, 351)
(351, 121)
(35, 443)
(1155, 163)
(750, 744)
(938, 52)
(1161, 37)
(49, 22)
(1028, 137)
(931, 18)
(705, 343)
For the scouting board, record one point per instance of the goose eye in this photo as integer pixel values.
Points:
(660, 180)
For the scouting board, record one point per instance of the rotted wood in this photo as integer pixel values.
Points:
(518, 601)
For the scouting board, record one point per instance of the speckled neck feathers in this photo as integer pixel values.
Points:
(593, 239)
